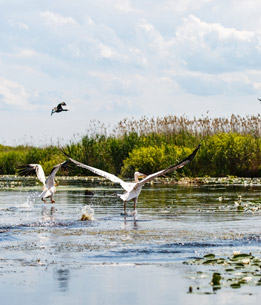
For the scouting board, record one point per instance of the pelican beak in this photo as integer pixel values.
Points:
(142, 176)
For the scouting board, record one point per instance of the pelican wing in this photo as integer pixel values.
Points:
(102, 173)
(171, 168)
(50, 180)
(32, 169)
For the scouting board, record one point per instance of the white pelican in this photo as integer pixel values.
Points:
(48, 184)
(59, 108)
(133, 189)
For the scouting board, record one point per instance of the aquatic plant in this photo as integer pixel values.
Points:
(238, 270)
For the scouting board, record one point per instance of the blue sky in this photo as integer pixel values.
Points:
(115, 59)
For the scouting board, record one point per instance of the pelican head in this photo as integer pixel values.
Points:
(138, 175)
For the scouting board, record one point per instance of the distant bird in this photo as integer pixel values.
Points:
(133, 189)
(49, 184)
(259, 99)
(59, 108)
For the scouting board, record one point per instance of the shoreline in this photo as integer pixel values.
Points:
(230, 180)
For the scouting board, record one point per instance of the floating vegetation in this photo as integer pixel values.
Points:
(239, 270)
(12, 181)
(245, 206)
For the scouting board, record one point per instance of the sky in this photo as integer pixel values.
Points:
(115, 59)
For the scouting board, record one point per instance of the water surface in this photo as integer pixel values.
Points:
(47, 254)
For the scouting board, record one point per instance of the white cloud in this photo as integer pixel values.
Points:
(123, 5)
(18, 24)
(12, 93)
(213, 48)
(26, 53)
(54, 19)
(185, 5)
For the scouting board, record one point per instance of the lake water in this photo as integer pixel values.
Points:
(49, 256)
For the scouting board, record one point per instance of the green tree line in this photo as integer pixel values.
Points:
(229, 147)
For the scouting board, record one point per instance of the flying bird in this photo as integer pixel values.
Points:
(59, 108)
(259, 99)
(133, 189)
(48, 184)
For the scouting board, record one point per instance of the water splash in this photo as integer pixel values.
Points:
(30, 200)
(87, 213)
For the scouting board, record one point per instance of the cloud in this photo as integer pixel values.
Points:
(13, 94)
(54, 19)
(213, 85)
(26, 53)
(185, 5)
(123, 6)
(213, 48)
(18, 24)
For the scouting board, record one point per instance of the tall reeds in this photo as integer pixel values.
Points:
(230, 146)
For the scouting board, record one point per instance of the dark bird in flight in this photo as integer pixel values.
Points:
(59, 108)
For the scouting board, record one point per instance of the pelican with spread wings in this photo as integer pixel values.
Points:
(48, 184)
(133, 189)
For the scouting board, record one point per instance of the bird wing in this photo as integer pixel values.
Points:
(35, 169)
(50, 180)
(59, 106)
(169, 169)
(102, 173)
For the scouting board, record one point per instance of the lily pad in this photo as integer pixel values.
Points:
(241, 256)
(209, 256)
(235, 285)
(216, 278)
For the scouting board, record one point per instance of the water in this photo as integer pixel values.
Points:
(49, 256)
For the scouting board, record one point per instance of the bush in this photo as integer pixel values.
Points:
(153, 158)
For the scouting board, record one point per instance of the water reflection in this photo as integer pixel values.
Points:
(132, 219)
(62, 276)
(48, 214)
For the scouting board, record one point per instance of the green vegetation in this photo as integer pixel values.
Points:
(236, 271)
(230, 147)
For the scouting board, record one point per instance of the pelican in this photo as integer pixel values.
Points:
(48, 184)
(133, 189)
(59, 108)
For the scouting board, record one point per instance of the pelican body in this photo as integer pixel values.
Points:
(133, 189)
(59, 108)
(48, 184)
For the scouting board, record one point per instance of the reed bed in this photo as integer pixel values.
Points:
(230, 147)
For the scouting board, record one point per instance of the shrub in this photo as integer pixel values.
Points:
(153, 158)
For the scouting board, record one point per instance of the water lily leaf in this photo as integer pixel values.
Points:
(220, 261)
(210, 255)
(216, 278)
(235, 285)
(210, 262)
(241, 256)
